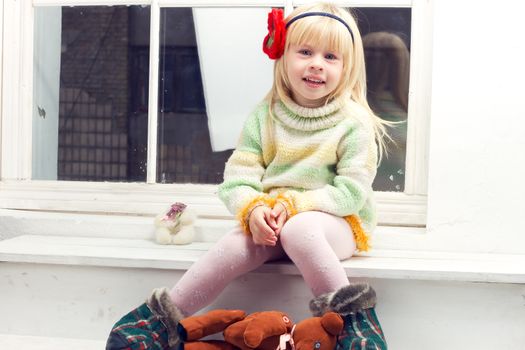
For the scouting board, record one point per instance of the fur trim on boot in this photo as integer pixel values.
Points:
(152, 325)
(348, 299)
(161, 305)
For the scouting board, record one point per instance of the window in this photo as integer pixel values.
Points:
(90, 93)
(141, 101)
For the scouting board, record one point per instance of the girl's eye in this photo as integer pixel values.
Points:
(305, 52)
(330, 56)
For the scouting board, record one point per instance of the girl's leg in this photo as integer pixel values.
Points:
(154, 324)
(316, 242)
(233, 255)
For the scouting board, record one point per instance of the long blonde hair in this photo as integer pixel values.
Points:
(329, 33)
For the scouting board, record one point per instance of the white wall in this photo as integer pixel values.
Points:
(476, 196)
(1, 64)
(84, 302)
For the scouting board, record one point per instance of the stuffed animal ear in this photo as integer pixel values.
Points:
(332, 322)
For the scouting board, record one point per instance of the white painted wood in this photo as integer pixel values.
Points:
(15, 222)
(135, 253)
(149, 199)
(153, 98)
(13, 127)
(89, 2)
(418, 127)
(1, 77)
(221, 3)
(363, 3)
(288, 7)
(84, 302)
(26, 91)
(18, 222)
(26, 342)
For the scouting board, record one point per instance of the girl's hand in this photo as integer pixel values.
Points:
(279, 216)
(259, 222)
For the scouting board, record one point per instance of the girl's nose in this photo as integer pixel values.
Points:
(316, 63)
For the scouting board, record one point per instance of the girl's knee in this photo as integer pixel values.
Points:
(233, 239)
(302, 221)
(300, 227)
(316, 229)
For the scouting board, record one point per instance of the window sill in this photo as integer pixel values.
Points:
(143, 253)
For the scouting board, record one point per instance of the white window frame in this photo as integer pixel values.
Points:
(1, 69)
(18, 191)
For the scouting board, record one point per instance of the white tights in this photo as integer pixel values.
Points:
(314, 241)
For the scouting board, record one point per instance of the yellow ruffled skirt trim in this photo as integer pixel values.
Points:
(288, 204)
(362, 239)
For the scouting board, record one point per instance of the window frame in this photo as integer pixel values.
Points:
(1, 70)
(18, 191)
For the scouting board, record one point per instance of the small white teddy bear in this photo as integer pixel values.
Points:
(175, 226)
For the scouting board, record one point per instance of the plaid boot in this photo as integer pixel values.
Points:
(356, 304)
(152, 325)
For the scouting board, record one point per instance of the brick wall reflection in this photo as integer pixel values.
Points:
(93, 139)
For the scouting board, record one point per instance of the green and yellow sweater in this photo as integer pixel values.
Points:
(322, 159)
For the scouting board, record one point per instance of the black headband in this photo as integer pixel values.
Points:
(324, 14)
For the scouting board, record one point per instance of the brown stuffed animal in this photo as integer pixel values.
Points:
(318, 333)
(260, 330)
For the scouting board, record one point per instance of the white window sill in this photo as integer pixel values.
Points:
(143, 253)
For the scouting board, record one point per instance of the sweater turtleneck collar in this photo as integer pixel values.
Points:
(309, 119)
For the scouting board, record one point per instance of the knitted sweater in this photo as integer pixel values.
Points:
(321, 159)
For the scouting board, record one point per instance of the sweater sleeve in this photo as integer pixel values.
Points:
(242, 189)
(352, 184)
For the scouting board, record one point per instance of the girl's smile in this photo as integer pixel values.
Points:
(313, 74)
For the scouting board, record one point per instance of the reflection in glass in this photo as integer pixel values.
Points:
(386, 41)
(91, 90)
(188, 150)
(184, 150)
(211, 77)
(90, 93)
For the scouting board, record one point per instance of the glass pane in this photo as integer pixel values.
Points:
(207, 63)
(91, 93)
(386, 40)
(207, 72)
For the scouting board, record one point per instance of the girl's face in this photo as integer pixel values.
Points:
(313, 73)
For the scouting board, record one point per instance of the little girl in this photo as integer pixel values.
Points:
(299, 181)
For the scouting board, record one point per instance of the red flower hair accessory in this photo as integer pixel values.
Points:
(273, 44)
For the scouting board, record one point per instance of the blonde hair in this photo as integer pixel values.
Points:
(325, 32)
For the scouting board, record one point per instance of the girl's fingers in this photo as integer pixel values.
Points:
(265, 230)
(268, 231)
(270, 219)
(280, 223)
